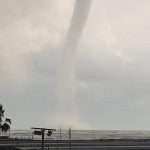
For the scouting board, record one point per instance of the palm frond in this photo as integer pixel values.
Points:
(8, 120)
(5, 127)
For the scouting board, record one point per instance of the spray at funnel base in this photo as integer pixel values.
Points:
(68, 113)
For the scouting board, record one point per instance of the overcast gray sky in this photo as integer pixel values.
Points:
(112, 66)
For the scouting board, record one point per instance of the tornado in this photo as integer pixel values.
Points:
(68, 109)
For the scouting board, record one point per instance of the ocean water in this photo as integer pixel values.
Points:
(84, 134)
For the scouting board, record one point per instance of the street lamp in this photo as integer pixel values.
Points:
(40, 131)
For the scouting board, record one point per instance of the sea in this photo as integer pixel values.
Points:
(82, 134)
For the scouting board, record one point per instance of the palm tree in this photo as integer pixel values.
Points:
(4, 122)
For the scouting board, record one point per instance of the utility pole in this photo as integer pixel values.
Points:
(42, 131)
(70, 137)
(60, 132)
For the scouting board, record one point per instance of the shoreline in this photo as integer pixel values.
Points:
(19, 144)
